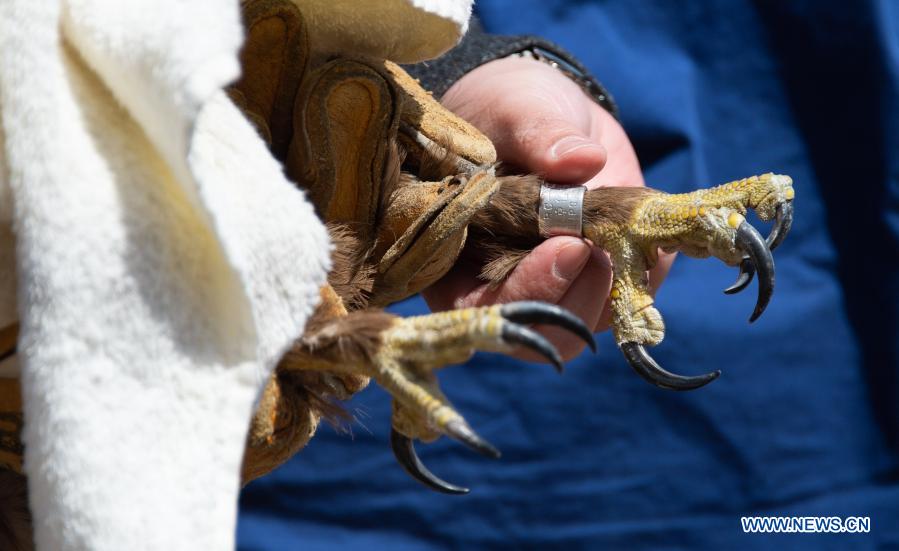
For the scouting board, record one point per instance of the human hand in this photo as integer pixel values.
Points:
(542, 122)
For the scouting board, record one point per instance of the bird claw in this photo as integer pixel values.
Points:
(744, 278)
(647, 368)
(749, 240)
(520, 335)
(783, 221)
(404, 451)
(703, 223)
(510, 332)
(644, 327)
(460, 431)
(758, 259)
(539, 312)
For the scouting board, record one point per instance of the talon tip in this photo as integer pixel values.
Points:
(556, 360)
(459, 430)
(737, 287)
(559, 367)
(757, 313)
(747, 270)
(404, 451)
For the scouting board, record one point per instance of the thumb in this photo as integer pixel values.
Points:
(550, 146)
(538, 119)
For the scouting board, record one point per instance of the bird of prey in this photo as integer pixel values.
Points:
(406, 188)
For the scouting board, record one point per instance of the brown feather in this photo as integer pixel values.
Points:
(502, 234)
(503, 261)
(351, 275)
(613, 205)
(354, 338)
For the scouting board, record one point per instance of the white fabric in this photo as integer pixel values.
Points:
(163, 263)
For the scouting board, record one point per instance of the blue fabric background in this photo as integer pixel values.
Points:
(805, 418)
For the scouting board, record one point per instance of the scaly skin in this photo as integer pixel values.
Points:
(405, 354)
(401, 355)
(700, 224)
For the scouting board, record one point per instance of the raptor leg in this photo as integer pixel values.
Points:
(632, 224)
(702, 223)
(402, 355)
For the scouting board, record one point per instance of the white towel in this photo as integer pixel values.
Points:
(162, 261)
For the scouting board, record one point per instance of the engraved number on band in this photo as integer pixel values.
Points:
(561, 210)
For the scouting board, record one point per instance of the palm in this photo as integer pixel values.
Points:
(541, 122)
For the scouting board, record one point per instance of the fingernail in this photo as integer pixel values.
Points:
(570, 260)
(570, 144)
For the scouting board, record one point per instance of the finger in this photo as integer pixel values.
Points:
(538, 119)
(550, 146)
(545, 274)
(585, 298)
(568, 277)
(622, 167)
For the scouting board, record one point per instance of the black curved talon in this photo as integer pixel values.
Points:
(750, 241)
(783, 221)
(541, 312)
(641, 362)
(404, 451)
(459, 430)
(513, 333)
(747, 270)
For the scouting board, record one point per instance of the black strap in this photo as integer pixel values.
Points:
(478, 48)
